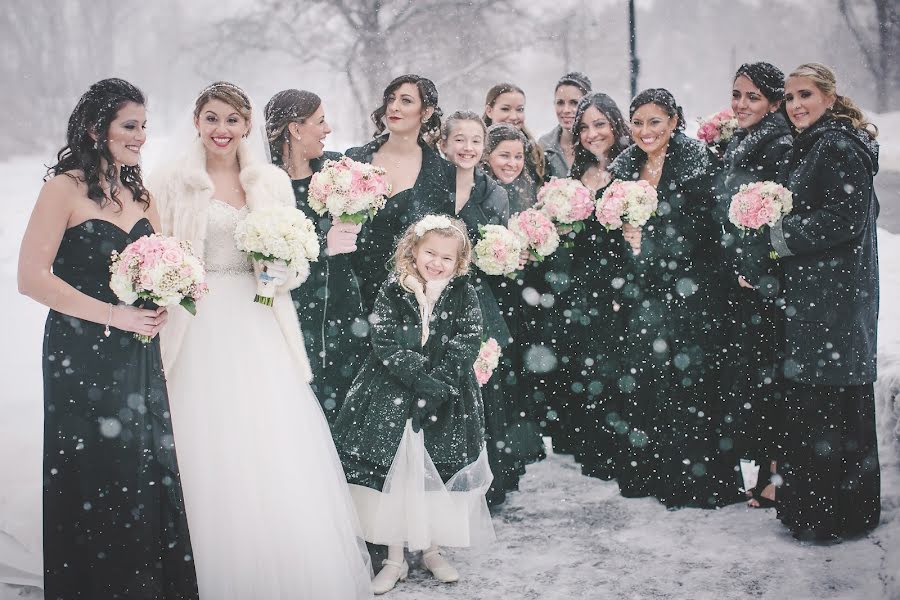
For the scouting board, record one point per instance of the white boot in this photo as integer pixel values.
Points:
(442, 570)
(391, 572)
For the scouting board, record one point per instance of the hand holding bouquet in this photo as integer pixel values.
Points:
(498, 250)
(627, 202)
(158, 269)
(566, 202)
(278, 234)
(350, 191)
(758, 204)
(537, 232)
(487, 361)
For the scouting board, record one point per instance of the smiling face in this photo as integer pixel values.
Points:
(507, 160)
(436, 256)
(566, 103)
(595, 132)
(221, 128)
(652, 128)
(805, 102)
(127, 133)
(748, 103)
(404, 110)
(509, 108)
(464, 147)
(308, 137)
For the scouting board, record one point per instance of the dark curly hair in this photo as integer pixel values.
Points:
(93, 114)
(664, 99)
(286, 107)
(430, 131)
(608, 107)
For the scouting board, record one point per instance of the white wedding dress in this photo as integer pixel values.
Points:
(268, 506)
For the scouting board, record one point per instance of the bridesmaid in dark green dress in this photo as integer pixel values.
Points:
(422, 182)
(114, 518)
(329, 302)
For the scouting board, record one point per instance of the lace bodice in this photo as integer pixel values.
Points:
(220, 253)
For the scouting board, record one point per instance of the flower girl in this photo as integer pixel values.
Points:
(411, 431)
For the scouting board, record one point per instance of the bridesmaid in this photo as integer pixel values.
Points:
(329, 303)
(672, 400)
(504, 160)
(421, 181)
(829, 253)
(753, 381)
(559, 143)
(594, 331)
(505, 103)
(114, 520)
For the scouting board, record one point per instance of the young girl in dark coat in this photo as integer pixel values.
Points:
(411, 431)
(829, 252)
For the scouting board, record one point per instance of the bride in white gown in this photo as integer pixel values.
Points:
(268, 506)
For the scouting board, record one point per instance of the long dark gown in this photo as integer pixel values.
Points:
(114, 518)
(329, 306)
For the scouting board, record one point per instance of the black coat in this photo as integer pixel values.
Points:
(752, 155)
(829, 253)
(329, 306)
(433, 193)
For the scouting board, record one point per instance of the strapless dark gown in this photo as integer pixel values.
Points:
(114, 520)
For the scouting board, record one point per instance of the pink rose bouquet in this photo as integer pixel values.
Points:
(632, 202)
(717, 129)
(567, 202)
(758, 204)
(159, 269)
(537, 231)
(498, 250)
(349, 191)
(487, 361)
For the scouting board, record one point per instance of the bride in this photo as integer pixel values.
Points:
(268, 506)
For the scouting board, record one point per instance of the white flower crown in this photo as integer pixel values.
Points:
(434, 222)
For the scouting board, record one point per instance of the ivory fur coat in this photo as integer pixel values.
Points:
(182, 191)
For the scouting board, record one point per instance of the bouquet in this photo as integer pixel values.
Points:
(537, 232)
(498, 250)
(717, 129)
(758, 204)
(632, 202)
(567, 202)
(280, 234)
(158, 269)
(350, 191)
(487, 361)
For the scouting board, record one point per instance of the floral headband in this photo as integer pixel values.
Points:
(435, 222)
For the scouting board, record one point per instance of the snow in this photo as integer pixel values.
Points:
(563, 535)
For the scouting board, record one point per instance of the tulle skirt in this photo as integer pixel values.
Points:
(416, 509)
(268, 506)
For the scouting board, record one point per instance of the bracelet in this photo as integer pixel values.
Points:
(108, 321)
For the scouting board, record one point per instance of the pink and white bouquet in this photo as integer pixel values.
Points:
(498, 250)
(758, 204)
(717, 129)
(567, 202)
(537, 231)
(487, 361)
(159, 269)
(632, 202)
(281, 234)
(349, 191)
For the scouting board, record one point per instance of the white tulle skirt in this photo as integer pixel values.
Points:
(416, 509)
(269, 509)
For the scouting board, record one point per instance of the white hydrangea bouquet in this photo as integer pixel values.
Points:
(349, 191)
(280, 234)
(498, 250)
(567, 202)
(158, 269)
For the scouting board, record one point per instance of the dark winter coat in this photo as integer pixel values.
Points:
(829, 253)
(554, 157)
(400, 371)
(753, 155)
(431, 194)
(329, 306)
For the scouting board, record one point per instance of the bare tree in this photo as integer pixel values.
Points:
(875, 25)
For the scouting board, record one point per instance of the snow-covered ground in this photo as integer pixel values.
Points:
(562, 536)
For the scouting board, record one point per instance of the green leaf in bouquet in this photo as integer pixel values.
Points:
(578, 226)
(189, 305)
(355, 219)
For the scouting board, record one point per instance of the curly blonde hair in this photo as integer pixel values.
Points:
(404, 259)
(844, 108)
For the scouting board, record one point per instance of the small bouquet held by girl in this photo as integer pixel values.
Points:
(566, 202)
(160, 270)
(410, 433)
(717, 129)
(537, 232)
(278, 237)
(627, 202)
(498, 251)
(487, 361)
(350, 191)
